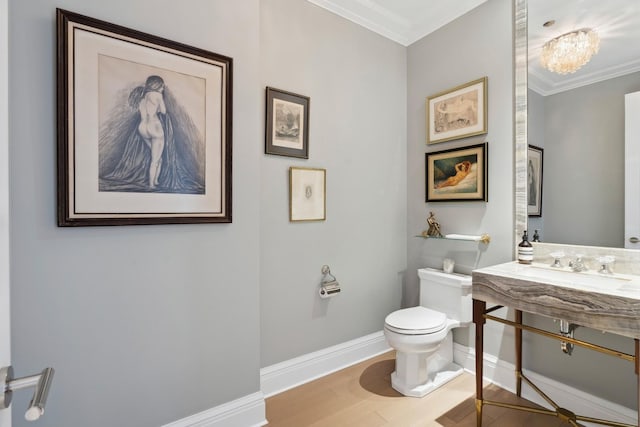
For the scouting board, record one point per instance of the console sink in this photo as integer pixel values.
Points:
(588, 280)
(607, 302)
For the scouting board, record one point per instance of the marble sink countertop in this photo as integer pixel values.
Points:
(605, 302)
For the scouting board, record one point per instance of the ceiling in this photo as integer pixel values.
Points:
(616, 21)
(404, 21)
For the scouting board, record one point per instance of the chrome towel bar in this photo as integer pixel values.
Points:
(41, 382)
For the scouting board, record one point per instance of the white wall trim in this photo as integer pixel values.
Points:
(282, 376)
(247, 411)
(502, 374)
(274, 379)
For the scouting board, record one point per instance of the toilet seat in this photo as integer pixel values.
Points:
(416, 321)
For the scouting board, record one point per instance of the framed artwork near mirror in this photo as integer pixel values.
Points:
(458, 112)
(458, 174)
(534, 180)
(307, 194)
(287, 124)
(144, 127)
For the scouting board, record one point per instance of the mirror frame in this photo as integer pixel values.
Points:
(520, 52)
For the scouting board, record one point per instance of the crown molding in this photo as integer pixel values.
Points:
(544, 86)
(404, 25)
(380, 20)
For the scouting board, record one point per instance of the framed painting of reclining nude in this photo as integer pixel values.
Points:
(457, 113)
(458, 174)
(144, 127)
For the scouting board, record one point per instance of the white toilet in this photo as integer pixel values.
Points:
(421, 335)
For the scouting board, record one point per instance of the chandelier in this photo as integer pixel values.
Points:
(568, 52)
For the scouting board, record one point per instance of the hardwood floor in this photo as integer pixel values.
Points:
(361, 395)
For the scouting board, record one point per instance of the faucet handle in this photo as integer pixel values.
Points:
(557, 256)
(605, 263)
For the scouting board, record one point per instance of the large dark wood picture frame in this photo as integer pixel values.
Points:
(144, 127)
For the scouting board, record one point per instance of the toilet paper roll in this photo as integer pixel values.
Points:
(447, 265)
(329, 289)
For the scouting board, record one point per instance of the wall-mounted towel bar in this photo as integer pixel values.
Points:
(41, 382)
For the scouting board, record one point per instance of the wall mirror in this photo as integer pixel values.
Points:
(576, 118)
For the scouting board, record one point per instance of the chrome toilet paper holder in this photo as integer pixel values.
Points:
(329, 285)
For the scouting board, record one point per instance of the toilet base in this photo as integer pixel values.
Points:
(434, 381)
(419, 373)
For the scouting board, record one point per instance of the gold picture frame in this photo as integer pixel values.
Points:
(457, 113)
(307, 194)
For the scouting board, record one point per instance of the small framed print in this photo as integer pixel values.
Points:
(457, 113)
(287, 124)
(534, 180)
(307, 194)
(459, 174)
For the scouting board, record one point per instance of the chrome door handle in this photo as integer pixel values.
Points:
(634, 240)
(42, 383)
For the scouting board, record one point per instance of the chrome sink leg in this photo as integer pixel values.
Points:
(566, 329)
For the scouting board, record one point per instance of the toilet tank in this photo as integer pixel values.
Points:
(449, 293)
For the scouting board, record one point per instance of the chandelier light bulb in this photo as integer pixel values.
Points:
(569, 52)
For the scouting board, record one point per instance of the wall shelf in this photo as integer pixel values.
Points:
(484, 238)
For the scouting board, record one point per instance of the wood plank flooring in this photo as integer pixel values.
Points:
(362, 396)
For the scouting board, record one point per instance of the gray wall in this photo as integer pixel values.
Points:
(150, 324)
(475, 45)
(357, 83)
(584, 159)
(583, 136)
(144, 324)
(431, 68)
(535, 136)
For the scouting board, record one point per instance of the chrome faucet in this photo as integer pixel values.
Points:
(605, 264)
(578, 264)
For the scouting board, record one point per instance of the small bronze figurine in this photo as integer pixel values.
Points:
(434, 227)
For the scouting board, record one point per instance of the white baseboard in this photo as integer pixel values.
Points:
(503, 374)
(282, 376)
(248, 411)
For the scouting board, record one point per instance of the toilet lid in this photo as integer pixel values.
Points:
(415, 321)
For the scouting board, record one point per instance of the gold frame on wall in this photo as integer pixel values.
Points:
(457, 113)
(307, 194)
